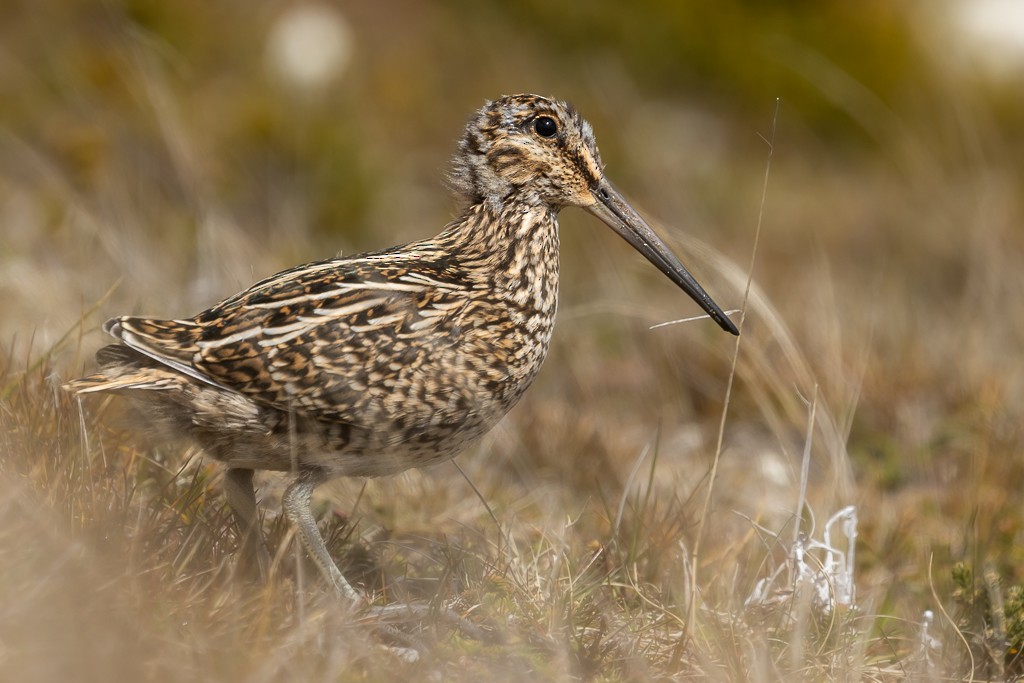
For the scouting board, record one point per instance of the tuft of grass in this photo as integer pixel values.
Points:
(991, 616)
(119, 559)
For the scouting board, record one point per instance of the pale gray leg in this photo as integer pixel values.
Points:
(241, 496)
(296, 508)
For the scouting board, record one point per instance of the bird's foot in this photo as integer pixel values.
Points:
(398, 613)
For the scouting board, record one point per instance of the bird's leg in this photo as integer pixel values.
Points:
(296, 508)
(241, 497)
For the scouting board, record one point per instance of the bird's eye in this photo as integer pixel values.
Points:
(545, 127)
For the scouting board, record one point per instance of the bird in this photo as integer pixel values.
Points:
(372, 364)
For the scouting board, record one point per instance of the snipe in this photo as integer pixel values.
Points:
(375, 363)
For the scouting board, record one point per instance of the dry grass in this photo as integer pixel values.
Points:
(881, 352)
(118, 564)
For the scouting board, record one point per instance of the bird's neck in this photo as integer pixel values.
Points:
(490, 231)
(515, 244)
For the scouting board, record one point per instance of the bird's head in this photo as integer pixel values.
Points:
(531, 146)
(539, 151)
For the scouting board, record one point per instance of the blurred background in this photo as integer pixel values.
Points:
(157, 156)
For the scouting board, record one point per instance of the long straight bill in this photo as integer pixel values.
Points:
(611, 208)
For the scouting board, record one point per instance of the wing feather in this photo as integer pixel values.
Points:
(312, 337)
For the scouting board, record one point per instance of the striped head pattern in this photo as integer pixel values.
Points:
(537, 149)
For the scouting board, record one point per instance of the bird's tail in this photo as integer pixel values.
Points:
(122, 369)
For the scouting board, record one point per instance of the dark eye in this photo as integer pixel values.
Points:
(545, 127)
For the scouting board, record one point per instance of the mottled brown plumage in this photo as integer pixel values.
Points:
(372, 364)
